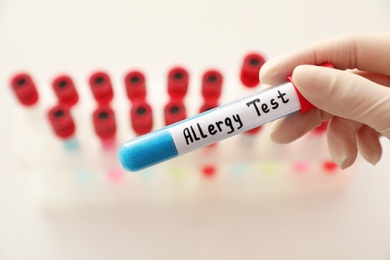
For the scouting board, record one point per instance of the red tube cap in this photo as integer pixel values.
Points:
(65, 90)
(135, 86)
(24, 88)
(104, 122)
(250, 69)
(61, 121)
(212, 84)
(174, 111)
(141, 117)
(177, 83)
(101, 87)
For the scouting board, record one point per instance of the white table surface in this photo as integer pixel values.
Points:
(46, 37)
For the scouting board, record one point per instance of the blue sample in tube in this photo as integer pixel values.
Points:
(147, 150)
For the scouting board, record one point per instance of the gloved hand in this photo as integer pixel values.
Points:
(354, 96)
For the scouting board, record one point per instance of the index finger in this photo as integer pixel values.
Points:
(362, 51)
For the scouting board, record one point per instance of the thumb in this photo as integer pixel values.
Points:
(345, 95)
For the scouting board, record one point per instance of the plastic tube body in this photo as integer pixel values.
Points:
(210, 127)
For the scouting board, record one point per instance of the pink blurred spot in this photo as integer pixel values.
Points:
(115, 175)
(301, 166)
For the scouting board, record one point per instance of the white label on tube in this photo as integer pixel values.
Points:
(234, 118)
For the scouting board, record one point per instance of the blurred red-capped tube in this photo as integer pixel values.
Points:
(174, 111)
(104, 122)
(65, 90)
(250, 69)
(141, 117)
(61, 121)
(105, 126)
(178, 79)
(135, 84)
(212, 84)
(101, 87)
(24, 88)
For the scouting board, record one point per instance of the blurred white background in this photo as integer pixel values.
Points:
(45, 37)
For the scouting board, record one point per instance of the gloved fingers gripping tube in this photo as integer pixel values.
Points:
(212, 126)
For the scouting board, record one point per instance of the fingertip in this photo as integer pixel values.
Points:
(302, 76)
(274, 133)
(342, 158)
(348, 162)
(272, 73)
(315, 83)
(267, 73)
(369, 145)
(342, 142)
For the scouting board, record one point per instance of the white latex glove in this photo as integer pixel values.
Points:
(354, 96)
